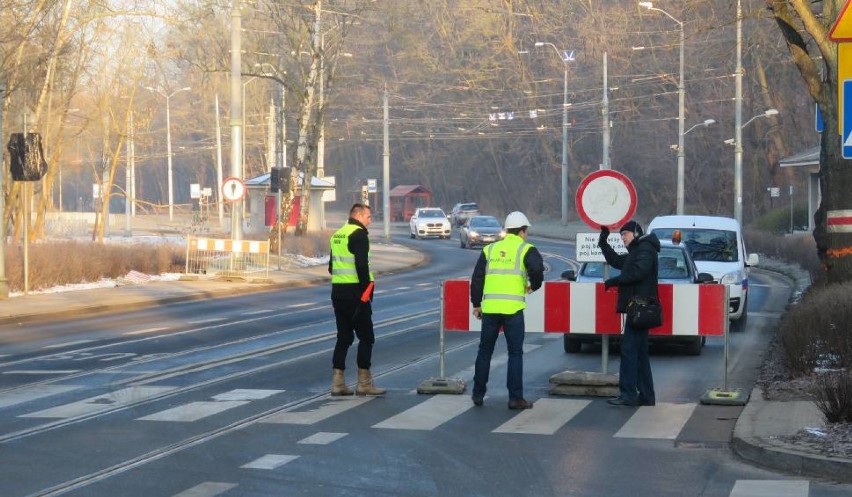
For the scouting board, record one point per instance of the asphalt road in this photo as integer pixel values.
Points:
(229, 397)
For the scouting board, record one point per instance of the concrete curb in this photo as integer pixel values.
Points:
(757, 439)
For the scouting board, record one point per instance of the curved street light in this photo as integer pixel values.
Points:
(738, 162)
(565, 56)
(168, 97)
(707, 122)
(681, 157)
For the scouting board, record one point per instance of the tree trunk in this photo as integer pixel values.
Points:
(834, 246)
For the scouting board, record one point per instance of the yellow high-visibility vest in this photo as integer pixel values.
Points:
(505, 286)
(342, 260)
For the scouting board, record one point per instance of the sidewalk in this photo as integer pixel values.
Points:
(756, 433)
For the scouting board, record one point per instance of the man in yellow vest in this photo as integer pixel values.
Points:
(351, 298)
(505, 272)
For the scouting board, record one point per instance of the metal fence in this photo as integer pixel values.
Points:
(211, 256)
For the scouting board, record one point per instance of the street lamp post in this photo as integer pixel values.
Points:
(738, 158)
(565, 57)
(681, 154)
(168, 97)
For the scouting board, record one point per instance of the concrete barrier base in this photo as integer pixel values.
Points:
(584, 383)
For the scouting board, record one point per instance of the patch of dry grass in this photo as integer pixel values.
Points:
(63, 262)
(54, 263)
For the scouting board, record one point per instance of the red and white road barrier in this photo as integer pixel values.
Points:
(587, 308)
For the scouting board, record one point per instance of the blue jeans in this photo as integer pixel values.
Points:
(635, 382)
(513, 329)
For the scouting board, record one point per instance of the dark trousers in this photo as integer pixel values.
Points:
(353, 321)
(635, 381)
(513, 330)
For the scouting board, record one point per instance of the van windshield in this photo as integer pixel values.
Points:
(706, 244)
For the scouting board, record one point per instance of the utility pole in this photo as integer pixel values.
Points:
(386, 169)
(605, 112)
(219, 167)
(738, 128)
(128, 231)
(236, 117)
(4, 285)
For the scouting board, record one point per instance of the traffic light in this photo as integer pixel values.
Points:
(279, 179)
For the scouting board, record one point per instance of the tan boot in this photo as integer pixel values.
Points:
(365, 384)
(338, 384)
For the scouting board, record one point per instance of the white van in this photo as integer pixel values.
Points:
(717, 247)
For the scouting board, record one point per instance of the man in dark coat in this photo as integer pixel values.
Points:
(638, 277)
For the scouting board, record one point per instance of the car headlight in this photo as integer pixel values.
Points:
(473, 233)
(732, 278)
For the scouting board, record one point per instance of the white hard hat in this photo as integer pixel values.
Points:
(516, 220)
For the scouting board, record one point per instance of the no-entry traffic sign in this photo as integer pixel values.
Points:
(606, 198)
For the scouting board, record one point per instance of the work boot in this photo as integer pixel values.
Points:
(365, 384)
(338, 384)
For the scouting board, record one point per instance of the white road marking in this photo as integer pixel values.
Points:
(306, 304)
(322, 438)
(661, 421)
(205, 321)
(246, 394)
(770, 488)
(100, 403)
(66, 344)
(33, 393)
(429, 414)
(321, 413)
(145, 331)
(261, 311)
(193, 411)
(41, 371)
(207, 489)
(269, 461)
(546, 416)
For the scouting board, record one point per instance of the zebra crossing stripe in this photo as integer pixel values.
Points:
(193, 411)
(428, 415)
(322, 438)
(663, 421)
(321, 413)
(545, 418)
(92, 405)
(207, 489)
(770, 488)
(269, 461)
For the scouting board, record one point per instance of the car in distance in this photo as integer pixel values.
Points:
(717, 247)
(480, 231)
(429, 221)
(463, 211)
(675, 266)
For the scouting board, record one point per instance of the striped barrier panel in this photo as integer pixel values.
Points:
(212, 256)
(587, 308)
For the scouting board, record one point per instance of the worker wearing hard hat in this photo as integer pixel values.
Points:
(505, 272)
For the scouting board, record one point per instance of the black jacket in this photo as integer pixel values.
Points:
(532, 262)
(638, 269)
(359, 245)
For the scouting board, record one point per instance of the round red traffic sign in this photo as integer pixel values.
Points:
(233, 189)
(606, 198)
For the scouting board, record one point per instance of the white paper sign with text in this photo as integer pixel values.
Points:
(587, 247)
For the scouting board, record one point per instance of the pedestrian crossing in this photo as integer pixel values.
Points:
(663, 421)
(409, 412)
